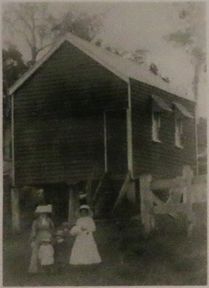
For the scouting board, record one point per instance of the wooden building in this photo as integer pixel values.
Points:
(84, 115)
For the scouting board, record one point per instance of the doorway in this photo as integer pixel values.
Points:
(58, 196)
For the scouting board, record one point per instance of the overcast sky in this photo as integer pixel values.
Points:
(138, 25)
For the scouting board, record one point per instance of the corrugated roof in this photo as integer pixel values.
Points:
(123, 68)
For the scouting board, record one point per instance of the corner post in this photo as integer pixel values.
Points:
(105, 141)
(129, 132)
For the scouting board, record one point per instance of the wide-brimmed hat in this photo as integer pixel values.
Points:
(84, 207)
(87, 208)
(43, 209)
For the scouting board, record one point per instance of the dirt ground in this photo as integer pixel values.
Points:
(167, 257)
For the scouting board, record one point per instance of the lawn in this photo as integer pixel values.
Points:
(167, 257)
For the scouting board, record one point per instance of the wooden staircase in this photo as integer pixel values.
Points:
(111, 197)
(105, 196)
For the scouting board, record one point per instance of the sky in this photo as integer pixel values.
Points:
(143, 25)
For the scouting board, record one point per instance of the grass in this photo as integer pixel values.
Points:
(166, 257)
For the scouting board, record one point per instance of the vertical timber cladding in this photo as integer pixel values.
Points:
(116, 130)
(159, 159)
(59, 129)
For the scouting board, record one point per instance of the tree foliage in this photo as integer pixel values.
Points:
(13, 66)
(36, 25)
(191, 35)
(83, 25)
(33, 23)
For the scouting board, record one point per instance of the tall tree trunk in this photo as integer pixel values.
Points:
(196, 79)
(195, 84)
(34, 54)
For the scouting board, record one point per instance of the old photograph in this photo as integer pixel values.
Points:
(104, 143)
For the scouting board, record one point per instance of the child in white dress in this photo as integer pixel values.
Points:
(46, 255)
(84, 251)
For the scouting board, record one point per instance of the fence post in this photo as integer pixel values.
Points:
(146, 202)
(187, 175)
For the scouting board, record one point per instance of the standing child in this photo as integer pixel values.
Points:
(84, 251)
(46, 255)
(61, 251)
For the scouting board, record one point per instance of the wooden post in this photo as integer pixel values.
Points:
(146, 202)
(129, 132)
(15, 210)
(122, 191)
(73, 205)
(187, 176)
(105, 141)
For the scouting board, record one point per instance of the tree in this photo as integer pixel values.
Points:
(39, 29)
(192, 37)
(13, 66)
(83, 25)
(33, 23)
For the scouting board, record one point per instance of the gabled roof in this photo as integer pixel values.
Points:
(121, 67)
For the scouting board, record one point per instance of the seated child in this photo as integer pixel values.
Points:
(61, 251)
(46, 255)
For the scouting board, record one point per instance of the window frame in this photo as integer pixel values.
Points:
(156, 126)
(179, 132)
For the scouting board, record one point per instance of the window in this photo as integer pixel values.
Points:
(156, 126)
(178, 132)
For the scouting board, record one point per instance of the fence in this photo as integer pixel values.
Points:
(179, 199)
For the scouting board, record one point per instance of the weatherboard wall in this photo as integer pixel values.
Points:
(58, 118)
(162, 159)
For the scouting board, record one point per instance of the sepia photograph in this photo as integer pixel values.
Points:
(104, 143)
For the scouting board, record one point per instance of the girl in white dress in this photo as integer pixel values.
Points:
(46, 255)
(84, 251)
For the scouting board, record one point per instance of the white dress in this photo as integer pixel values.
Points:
(46, 255)
(84, 249)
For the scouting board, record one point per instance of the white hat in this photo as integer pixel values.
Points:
(44, 209)
(84, 207)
